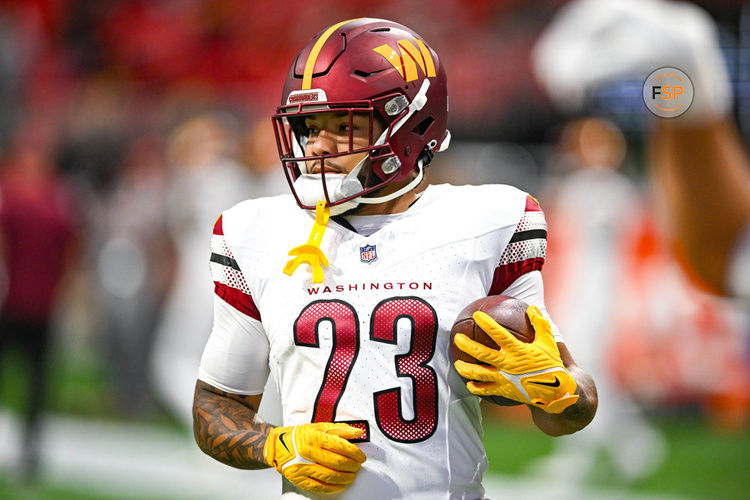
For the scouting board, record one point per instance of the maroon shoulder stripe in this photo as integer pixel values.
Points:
(241, 301)
(532, 205)
(219, 226)
(506, 274)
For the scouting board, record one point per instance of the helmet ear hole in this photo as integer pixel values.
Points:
(423, 126)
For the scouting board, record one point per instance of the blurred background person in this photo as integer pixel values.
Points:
(589, 45)
(134, 256)
(595, 209)
(205, 176)
(204, 155)
(259, 155)
(38, 226)
(701, 172)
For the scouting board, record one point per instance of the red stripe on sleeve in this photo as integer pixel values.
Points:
(219, 227)
(506, 274)
(243, 302)
(532, 205)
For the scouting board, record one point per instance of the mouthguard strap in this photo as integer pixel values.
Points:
(310, 253)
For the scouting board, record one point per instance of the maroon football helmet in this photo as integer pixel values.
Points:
(369, 66)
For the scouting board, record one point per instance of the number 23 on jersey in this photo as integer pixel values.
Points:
(346, 345)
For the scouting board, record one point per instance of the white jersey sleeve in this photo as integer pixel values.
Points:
(518, 273)
(526, 249)
(235, 358)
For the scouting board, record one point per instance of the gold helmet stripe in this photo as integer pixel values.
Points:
(307, 77)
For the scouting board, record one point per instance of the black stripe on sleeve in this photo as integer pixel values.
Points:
(225, 261)
(531, 234)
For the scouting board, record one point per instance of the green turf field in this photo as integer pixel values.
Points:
(700, 462)
(12, 489)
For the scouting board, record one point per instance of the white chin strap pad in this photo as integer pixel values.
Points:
(446, 142)
(395, 194)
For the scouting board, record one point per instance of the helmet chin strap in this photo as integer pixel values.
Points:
(397, 193)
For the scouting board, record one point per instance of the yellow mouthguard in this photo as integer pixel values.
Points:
(310, 253)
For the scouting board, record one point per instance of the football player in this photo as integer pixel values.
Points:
(355, 326)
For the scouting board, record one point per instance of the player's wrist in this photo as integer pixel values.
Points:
(269, 449)
(276, 455)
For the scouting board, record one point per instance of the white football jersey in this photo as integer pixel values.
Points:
(370, 345)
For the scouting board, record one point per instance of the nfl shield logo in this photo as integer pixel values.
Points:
(368, 253)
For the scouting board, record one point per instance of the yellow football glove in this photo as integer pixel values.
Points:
(531, 373)
(315, 457)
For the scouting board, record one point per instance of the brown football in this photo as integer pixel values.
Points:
(508, 312)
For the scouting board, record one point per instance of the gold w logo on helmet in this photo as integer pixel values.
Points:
(408, 57)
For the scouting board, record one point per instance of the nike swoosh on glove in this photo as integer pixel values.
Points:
(315, 457)
(531, 373)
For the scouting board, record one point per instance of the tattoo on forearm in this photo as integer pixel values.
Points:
(225, 427)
